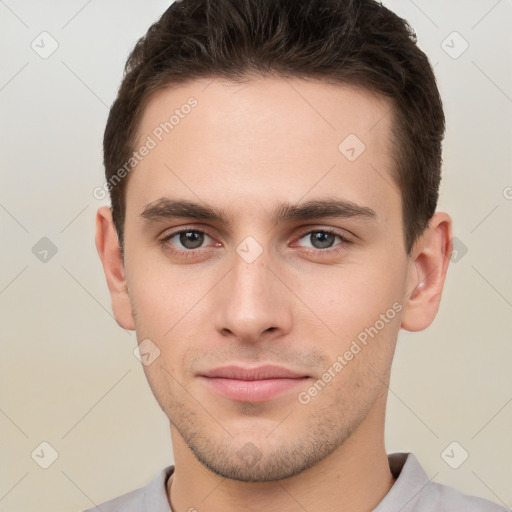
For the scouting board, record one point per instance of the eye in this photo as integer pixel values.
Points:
(323, 239)
(186, 240)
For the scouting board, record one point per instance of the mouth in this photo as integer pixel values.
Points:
(258, 384)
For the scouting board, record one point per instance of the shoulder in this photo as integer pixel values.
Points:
(130, 502)
(414, 491)
(443, 498)
(149, 498)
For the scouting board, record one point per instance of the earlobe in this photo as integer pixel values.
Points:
(428, 266)
(107, 244)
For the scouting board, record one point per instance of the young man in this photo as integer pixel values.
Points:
(274, 168)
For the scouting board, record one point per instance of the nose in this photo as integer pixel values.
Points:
(252, 302)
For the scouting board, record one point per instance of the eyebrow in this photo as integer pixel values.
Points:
(167, 209)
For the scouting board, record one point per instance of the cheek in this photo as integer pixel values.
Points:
(359, 359)
(354, 296)
(361, 304)
(161, 294)
(170, 309)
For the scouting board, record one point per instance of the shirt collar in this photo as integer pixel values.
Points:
(411, 479)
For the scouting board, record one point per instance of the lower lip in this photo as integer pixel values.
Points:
(252, 390)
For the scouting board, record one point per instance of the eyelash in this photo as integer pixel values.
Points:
(192, 252)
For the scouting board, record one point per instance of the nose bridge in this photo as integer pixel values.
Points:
(252, 300)
(250, 280)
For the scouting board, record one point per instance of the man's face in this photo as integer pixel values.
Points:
(252, 291)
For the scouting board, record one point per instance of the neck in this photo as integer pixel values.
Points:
(353, 478)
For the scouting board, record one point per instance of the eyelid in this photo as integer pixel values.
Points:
(342, 245)
(177, 231)
(345, 235)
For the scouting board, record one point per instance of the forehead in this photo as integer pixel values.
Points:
(265, 139)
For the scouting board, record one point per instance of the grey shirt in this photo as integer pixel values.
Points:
(412, 492)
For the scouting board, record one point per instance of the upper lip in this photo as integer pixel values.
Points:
(257, 373)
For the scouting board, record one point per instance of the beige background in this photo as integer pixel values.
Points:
(68, 373)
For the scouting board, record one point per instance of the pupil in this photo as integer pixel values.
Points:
(191, 239)
(323, 239)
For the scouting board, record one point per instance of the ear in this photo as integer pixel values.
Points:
(107, 244)
(428, 264)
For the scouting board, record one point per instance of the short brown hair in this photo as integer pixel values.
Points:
(353, 42)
